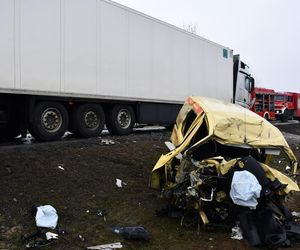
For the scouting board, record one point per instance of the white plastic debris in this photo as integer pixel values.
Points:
(51, 236)
(287, 168)
(106, 246)
(46, 216)
(107, 142)
(120, 183)
(81, 237)
(61, 168)
(236, 233)
(245, 189)
(296, 214)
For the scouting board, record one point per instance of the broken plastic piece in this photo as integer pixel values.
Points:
(236, 233)
(51, 236)
(46, 216)
(245, 189)
(107, 142)
(110, 246)
(296, 214)
(120, 183)
(81, 237)
(61, 168)
(132, 233)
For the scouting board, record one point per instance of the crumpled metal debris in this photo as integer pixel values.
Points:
(217, 141)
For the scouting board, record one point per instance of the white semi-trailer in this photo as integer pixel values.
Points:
(80, 64)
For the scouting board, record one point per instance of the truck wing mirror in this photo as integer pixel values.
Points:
(252, 83)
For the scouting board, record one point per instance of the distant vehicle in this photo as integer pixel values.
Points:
(78, 65)
(263, 103)
(287, 105)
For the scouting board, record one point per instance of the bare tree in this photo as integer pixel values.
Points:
(192, 27)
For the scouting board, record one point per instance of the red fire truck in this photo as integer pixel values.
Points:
(263, 102)
(287, 105)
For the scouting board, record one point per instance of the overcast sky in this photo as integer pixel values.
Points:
(266, 33)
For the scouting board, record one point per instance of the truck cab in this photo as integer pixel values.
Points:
(287, 105)
(263, 102)
(243, 83)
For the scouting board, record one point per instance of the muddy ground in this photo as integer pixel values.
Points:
(78, 176)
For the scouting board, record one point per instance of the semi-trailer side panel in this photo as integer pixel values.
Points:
(99, 48)
(79, 64)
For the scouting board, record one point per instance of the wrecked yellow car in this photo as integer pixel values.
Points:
(219, 170)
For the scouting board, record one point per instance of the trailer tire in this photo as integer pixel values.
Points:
(50, 121)
(120, 120)
(87, 120)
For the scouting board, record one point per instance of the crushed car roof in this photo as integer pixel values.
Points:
(230, 124)
(234, 124)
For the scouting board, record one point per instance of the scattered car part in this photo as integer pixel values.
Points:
(110, 246)
(38, 239)
(132, 233)
(51, 236)
(236, 233)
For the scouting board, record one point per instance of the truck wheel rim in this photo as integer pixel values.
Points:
(51, 120)
(124, 118)
(91, 119)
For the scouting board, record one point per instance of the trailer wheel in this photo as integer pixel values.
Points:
(87, 120)
(120, 120)
(50, 121)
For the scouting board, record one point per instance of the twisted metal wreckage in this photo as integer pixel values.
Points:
(219, 170)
